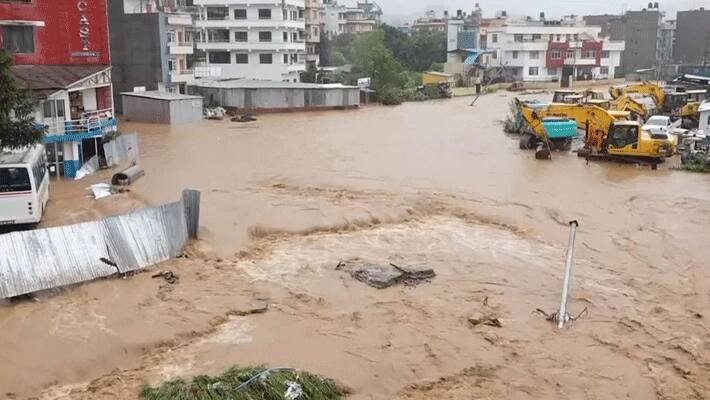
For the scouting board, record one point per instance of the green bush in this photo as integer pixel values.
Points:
(263, 385)
(390, 96)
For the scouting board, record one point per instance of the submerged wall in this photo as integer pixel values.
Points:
(41, 259)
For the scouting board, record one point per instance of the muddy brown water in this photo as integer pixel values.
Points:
(435, 185)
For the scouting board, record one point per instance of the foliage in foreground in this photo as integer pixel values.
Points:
(273, 385)
(17, 126)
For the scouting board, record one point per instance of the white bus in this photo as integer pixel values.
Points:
(24, 185)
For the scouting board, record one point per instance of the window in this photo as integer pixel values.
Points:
(240, 13)
(264, 13)
(495, 38)
(605, 54)
(300, 14)
(285, 37)
(534, 55)
(533, 71)
(570, 54)
(14, 180)
(518, 38)
(285, 58)
(53, 108)
(264, 36)
(552, 72)
(241, 36)
(537, 36)
(241, 58)
(266, 58)
(604, 70)
(494, 55)
(587, 53)
(576, 37)
(559, 38)
(219, 57)
(217, 13)
(19, 39)
(555, 55)
(172, 64)
(515, 54)
(218, 35)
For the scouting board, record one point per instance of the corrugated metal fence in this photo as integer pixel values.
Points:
(36, 260)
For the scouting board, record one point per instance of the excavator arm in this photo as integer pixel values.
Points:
(626, 103)
(644, 88)
(596, 120)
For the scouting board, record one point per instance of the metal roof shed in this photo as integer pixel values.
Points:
(161, 107)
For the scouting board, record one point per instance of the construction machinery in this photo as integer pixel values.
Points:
(678, 104)
(606, 136)
(640, 107)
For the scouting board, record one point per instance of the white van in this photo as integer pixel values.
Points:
(24, 185)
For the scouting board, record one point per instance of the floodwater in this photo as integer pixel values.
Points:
(423, 185)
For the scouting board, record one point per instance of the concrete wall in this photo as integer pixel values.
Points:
(279, 99)
(185, 111)
(143, 109)
(138, 50)
(692, 37)
(640, 30)
(146, 110)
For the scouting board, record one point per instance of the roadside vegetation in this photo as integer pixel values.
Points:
(17, 126)
(392, 59)
(251, 383)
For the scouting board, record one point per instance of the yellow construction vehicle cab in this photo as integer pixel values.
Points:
(560, 95)
(604, 133)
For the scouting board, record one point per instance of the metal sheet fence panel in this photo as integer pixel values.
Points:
(122, 149)
(41, 259)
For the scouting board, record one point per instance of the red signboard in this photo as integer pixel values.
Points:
(65, 32)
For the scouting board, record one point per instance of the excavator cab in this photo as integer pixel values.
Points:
(627, 138)
(561, 95)
(674, 102)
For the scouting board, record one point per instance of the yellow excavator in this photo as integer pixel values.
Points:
(606, 136)
(636, 107)
(675, 104)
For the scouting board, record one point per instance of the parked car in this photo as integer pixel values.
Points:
(658, 124)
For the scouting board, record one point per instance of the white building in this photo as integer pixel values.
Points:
(314, 22)
(252, 39)
(552, 50)
(339, 19)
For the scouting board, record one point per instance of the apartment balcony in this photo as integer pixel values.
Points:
(186, 75)
(180, 19)
(251, 23)
(179, 48)
(92, 124)
(591, 62)
(252, 46)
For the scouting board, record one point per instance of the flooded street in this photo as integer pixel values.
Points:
(423, 185)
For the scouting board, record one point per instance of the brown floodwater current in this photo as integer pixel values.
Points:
(423, 185)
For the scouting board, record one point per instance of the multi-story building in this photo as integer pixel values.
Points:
(692, 38)
(430, 23)
(542, 50)
(667, 44)
(371, 10)
(60, 50)
(466, 60)
(339, 19)
(314, 22)
(641, 30)
(248, 39)
(151, 45)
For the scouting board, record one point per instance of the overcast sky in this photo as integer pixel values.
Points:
(397, 11)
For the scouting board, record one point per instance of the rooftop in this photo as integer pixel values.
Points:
(154, 94)
(48, 79)
(261, 84)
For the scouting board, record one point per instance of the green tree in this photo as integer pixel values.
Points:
(17, 126)
(373, 59)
